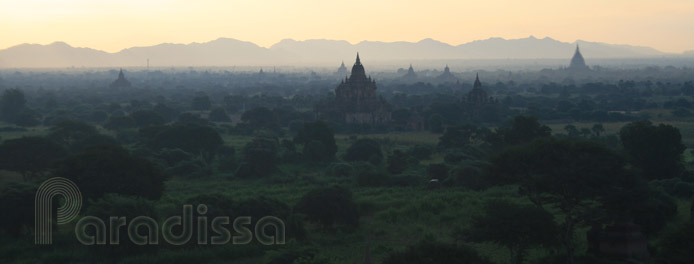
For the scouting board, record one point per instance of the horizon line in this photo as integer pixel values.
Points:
(351, 43)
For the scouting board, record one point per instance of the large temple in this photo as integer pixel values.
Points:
(477, 96)
(121, 82)
(356, 99)
(577, 62)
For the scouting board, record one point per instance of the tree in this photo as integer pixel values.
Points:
(401, 116)
(27, 118)
(76, 136)
(516, 227)
(164, 111)
(657, 150)
(190, 138)
(218, 114)
(567, 174)
(329, 206)
(318, 140)
(461, 136)
(201, 103)
(598, 129)
(111, 169)
(523, 129)
(117, 123)
(431, 252)
(17, 201)
(677, 246)
(260, 156)
(145, 118)
(571, 130)
(190, 118)
(12, 103)
(29, 155)
(436, 123)
(398, 161)
(364, 149)
(68, 132)
(110, 205)
(260, 117)
(585, 132)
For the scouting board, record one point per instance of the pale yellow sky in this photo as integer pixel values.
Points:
(667, 25)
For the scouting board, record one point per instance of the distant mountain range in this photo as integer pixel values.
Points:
(231, 52)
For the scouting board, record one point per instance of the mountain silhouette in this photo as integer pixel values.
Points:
(231, 52)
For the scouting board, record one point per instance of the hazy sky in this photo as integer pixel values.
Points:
(667, 25)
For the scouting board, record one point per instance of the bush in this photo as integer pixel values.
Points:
(329, 206)
(675, 187)
(467, 176)
(340, 169)
(438, 171)
(364, 149)
(111, 169)
(677, 246)
(191, 138)
(420, 152)
(17, 201)
(369, 175)
(119, 206)
(428, 252)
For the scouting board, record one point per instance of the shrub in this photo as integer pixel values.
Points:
(329, 206)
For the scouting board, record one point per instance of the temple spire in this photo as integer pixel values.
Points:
(477, 84)
(358, 61)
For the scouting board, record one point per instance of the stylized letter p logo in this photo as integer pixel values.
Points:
(43, 207)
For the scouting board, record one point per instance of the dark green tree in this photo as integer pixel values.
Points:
(112, 169)
(201, 103)
(364, 149)
(436, 123)
(17, 201)
(598, 129)
(514, 226)
(523, 129)
(192, 138)
(166, 112)
(218, 114)
(569, 175)
(462, 136)
(398, 161)
(260, 156)
(677, 246)
(431, 252)
(261, 117)
(67, 132)
(657, 150)
(30, 156)
(318, 140)
(117, 123)
(12, 103)
(329, 206)
(145, 118)
(572, 131)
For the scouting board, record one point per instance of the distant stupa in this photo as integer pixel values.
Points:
(121, 82)
(577, 62)
(410, 73)
(477, 96)
(342, 71)
(447, 75)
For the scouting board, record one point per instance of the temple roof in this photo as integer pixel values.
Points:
(358, 71)
(477, 84)
(577, 62)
